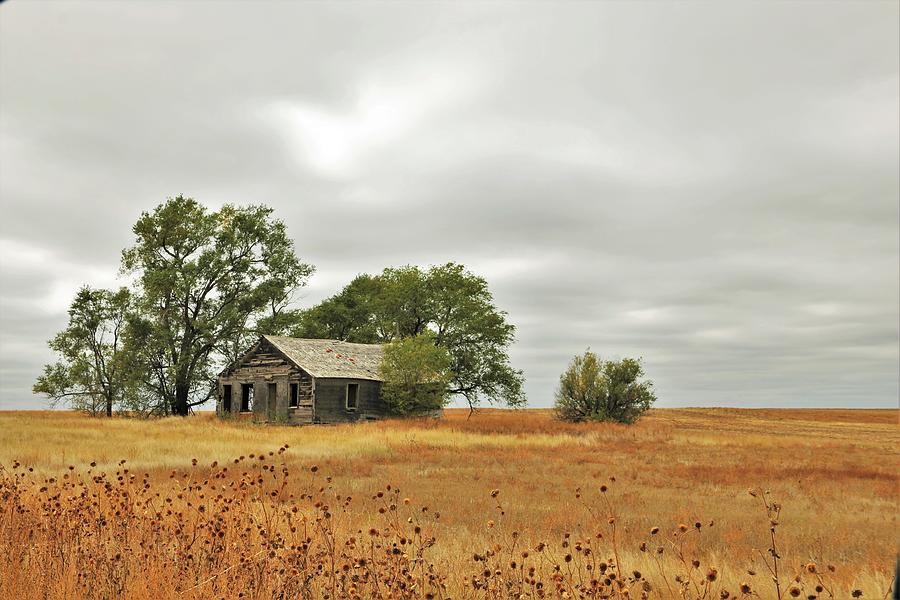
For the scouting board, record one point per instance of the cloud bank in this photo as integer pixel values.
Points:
(712, 187)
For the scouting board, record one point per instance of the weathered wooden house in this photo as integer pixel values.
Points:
(297, 381)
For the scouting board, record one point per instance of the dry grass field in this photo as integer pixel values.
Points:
(503, 505)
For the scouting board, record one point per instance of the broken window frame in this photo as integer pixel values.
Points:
(355, 396)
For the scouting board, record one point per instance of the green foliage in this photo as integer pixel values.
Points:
(348, 315)
(94, 373)
(595, 390)
(208, 282)
(446, 300)
(206, 278)
(416, 375)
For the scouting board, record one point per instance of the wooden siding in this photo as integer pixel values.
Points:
(320, 400)
(264, 368)
(331, 401)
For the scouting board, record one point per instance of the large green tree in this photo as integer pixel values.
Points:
(595, 390)
(95, 374)
(455, 305)
(348, 315)
(207, 279)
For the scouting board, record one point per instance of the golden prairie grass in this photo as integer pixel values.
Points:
(99, 531)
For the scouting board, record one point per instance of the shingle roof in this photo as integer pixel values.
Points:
(331, 358)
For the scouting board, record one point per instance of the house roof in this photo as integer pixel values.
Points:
(331, 358)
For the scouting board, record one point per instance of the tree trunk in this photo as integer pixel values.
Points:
(181, 399)
(109, 404)
(472, 407)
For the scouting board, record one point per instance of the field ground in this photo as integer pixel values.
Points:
(835, 472)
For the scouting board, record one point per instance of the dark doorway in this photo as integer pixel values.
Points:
(295, 395)
(271, 398)
(246, 397)
(226, 399)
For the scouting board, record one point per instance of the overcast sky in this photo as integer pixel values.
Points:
(712, 186)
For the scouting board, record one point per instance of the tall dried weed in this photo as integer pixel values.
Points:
(253, 528)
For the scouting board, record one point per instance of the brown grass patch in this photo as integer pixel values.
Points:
(834, 472)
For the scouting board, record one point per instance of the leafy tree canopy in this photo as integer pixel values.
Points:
(595, 390)
(416, 375)
(453, 304)
(94, 373)
(206, 279)
(348, 315)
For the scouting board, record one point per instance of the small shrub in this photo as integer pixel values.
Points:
(416, 375)
(595, 390)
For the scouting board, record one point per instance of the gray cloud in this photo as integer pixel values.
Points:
(713, 187)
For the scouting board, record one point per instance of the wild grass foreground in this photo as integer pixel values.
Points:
(686, 504)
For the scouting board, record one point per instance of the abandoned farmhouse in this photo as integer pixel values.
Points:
(299, 381)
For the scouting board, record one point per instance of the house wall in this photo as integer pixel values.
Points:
(261, 369)
(331, 401)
